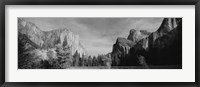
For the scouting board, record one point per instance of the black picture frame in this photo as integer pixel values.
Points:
(99, 2)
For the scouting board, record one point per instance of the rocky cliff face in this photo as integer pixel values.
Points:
(137, 35)
(162, 47)
(122, 46)
(31, 31)
(120, 50)
(50, 39)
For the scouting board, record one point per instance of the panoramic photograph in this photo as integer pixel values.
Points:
(99, 43)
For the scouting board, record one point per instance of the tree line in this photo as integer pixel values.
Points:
(62, 58)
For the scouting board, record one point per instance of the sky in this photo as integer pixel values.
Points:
(97, 34)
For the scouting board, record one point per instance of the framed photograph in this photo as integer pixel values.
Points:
(100, 43)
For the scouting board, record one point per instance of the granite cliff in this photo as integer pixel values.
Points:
(46, 40)
(162, 47)
(123, 45)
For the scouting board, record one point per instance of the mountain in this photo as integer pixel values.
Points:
(31, 31)
(122, 46)
(137, 35)
(162, 47)
(49, 39)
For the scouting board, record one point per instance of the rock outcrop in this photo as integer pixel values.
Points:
(122, 46)
(162, 47)
(31, 31)
(120, 50)
(137, 35)
(50, 39)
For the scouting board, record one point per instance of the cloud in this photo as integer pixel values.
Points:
(98, 34)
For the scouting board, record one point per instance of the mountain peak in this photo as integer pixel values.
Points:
(168, 24)
(136, 35)
(49, 39)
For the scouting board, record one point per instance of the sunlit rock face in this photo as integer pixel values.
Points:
(31, 30)
(50, 39)
(137, 35)
(67, 38)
